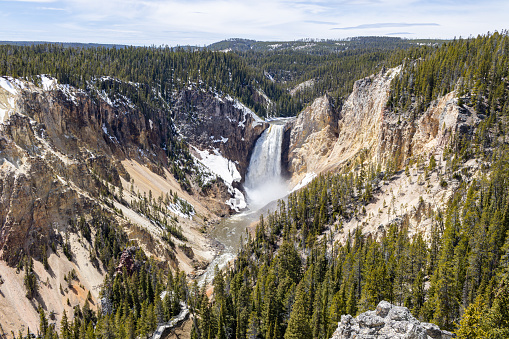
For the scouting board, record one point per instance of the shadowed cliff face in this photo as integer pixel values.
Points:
(119, 131)
(212, 122)
(41, 190)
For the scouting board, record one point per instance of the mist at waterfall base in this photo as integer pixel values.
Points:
(265, 192)
(263, 182)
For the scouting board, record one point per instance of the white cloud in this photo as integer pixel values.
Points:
(204, 21)
(50, 9)
(38, 1)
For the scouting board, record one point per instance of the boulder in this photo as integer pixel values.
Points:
(387, 321)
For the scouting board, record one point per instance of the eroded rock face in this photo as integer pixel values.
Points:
(323, 139)
(36, 203)
(83, 123)
(212, 122)
(362, 117)
(312, 136)
(387, 321)
(56, 152)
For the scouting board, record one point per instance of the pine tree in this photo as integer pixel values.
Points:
(472, 325)
(43, 322)
(253, 326)
(65, 331)
(221, 333)
(298, 324)
(498, 317)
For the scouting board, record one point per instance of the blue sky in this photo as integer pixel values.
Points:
(200, 22)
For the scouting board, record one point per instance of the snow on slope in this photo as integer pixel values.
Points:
(13, 86)
(5, 83)
(226, 170)
(306, 180)
(7, 98)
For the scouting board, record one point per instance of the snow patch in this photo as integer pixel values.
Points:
(182, 208)
(238, 202)
(7, 106)
(48, 83)
(219, 165)
(223, 140)
(69, 92)
(6, 84)
(105, 130)
(104, 96)
(268, 76)
(238, 105)
(3, 113)
(262, 93)
(306, 180)
(226, 170)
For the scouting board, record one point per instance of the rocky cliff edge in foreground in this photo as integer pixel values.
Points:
(387, 321)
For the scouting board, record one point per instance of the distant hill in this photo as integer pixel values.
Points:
(64, 44)
(319, 46)
(311, 46)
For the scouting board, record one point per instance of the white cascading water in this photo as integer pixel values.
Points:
(263, 182)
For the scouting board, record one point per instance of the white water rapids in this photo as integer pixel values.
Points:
(263, 185)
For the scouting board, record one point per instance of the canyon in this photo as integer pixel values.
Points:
(66, 152)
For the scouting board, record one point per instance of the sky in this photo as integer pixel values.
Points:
(201, 22)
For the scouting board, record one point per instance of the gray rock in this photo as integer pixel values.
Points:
(370, 320)
(383, 308)
(106, 306)
(432, 330)
(399, 313)
(386, 322)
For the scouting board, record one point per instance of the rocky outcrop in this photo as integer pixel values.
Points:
(312, 136)
(362, 117)
(127, 261)
(443, 119)
(323, 139)
(214, 122)
(387, 321)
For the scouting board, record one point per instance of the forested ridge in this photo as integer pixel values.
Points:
(246, 75)
(163, 69)
(476, 68)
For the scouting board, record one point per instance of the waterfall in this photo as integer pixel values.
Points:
(263, 182)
